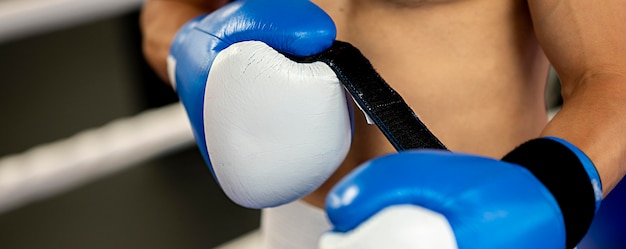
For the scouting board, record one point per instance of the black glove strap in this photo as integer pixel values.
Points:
(556, 166)
(560, 170)
(376, 98)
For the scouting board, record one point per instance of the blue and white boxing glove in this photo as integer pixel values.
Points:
(542, 195)
(271, 130)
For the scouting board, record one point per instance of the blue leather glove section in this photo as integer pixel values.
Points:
(489, 204)
(296, 27)
(609, 226)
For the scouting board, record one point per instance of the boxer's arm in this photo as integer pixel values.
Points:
(161, 19)
(586, 43)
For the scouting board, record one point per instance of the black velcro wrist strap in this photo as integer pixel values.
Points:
(376, 98)
(563, 174)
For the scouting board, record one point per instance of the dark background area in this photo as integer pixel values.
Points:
(65, 81)
(59, 83)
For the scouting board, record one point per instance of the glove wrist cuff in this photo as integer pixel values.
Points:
(588, 165)
(570, 177)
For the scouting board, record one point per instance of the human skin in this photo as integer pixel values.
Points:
(473, 70)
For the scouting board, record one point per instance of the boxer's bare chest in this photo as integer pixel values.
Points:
(452, 61)
(471, 69)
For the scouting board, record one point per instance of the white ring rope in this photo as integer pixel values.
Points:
(22, 18)
(53, 168)
(50, 169)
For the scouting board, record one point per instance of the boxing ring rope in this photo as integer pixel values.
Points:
(20, 18)
(49, 169)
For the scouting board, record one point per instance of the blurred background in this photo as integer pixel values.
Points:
(70, 65)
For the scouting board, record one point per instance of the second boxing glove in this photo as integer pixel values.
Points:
(541, 195)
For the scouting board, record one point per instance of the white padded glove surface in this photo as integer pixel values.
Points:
(275, 129)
